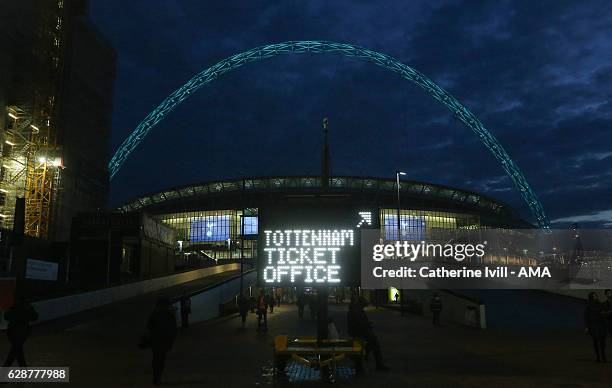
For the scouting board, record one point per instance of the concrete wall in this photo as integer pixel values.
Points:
(71, 304)
(155, 258)
(205, 305)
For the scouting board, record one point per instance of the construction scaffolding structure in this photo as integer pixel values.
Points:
(30, 168)
(31, 162)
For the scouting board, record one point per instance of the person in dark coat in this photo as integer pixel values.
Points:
(185, 310)
(301, 302)
(608, 309)
(162, 328)
(19, 317)
(270, 301)
(436, 308)
(243, 307)
(359, 326)
(262, 310)
(596, 326)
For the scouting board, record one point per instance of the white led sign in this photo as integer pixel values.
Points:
(305, 255)
(366, 219)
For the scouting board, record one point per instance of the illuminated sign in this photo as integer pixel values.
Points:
(305, 255)
(366, 219)
(250, 225)
(210, 229)
(412, 227)
(311, 244)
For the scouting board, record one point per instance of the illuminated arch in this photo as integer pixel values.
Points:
(383, 60)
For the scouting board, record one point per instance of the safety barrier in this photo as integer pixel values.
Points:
(456, 307)
(71, 304)
(206, 302)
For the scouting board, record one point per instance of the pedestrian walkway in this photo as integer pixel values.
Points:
(115, 315)
(219, 354)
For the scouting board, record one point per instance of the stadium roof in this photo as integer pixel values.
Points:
(313, 183)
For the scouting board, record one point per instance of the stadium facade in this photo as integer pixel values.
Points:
(221, 220)
(248, 219)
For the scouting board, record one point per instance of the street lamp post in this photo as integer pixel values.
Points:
(241, 251)
(397, 177)
(242, 239)
(399, 231)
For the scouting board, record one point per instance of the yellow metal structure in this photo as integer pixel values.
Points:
(31, 163)
(324, 354)
(30, 169)
(38, 195)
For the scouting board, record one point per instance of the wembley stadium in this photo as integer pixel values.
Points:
(224, 220)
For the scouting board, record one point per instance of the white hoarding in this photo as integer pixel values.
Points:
(41, 270)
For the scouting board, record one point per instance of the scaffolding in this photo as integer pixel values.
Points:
(31, 163)
(31, 169)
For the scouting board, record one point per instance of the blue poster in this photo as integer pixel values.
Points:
(210, 229)
(412, 227)
(251, 226)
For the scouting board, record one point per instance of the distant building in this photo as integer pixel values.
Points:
(207, 216)
(111, 248)
(56, 90)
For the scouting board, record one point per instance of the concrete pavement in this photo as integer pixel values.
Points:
(218, 353)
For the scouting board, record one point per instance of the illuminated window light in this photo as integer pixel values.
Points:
(42, 159)
(3, 215)
(3, 191)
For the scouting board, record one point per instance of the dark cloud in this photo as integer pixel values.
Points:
(537, 74)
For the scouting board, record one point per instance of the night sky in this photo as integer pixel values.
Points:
(537, 74)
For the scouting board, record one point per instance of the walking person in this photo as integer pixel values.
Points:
(19, 317)
(243, 307)
(262, 311)
(185, 310)
(359, 326)
(596, 326)
(162, 328)
(607, 307)
(301, 302)
(436, 308)
(270, 301)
